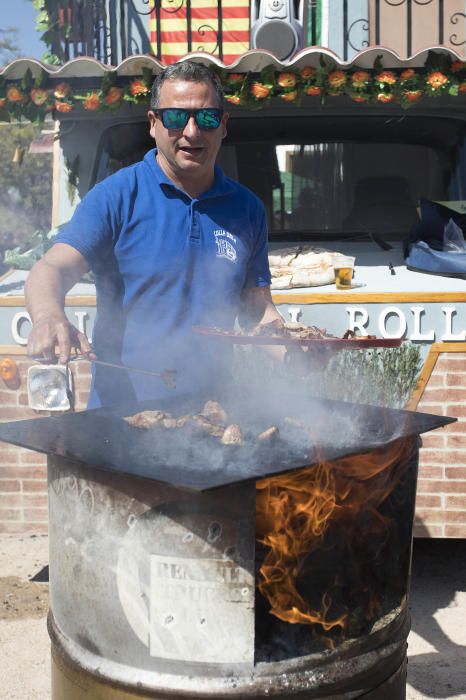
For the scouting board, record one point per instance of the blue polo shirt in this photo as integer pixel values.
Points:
(164, 262)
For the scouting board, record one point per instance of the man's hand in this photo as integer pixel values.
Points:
(49, 333)
(46, 286)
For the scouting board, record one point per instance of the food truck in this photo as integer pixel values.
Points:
(346, 119)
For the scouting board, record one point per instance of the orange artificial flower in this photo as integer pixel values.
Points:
(14, 94)
(138, 87)
(62, 90)
(92, 101)
(359, 98)
(437, 79)
(336, 79)
(286, 80)
(233, 99)
(457, 66)
(235, 78)
(313, 90)
(386, 76)
(385, 97)
(39, 96)
(407, 74)
(260, 91)
(462, 86)
(2, 102)
(307, 72)
(113, 96)
(63, 107)
(289, 96)
(413, 95)
(360, 78)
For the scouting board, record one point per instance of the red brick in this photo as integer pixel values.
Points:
(455, 472)
(439, 395)
(433, 486)
(455, 502)
(37, 515)
(21, 472)
(424, 501)
(9, 514)
(456, 410)
(438, 409)
(8, 398)
(23, 400)
(34, 485)
(426, 471)
(447, 457)
(457, 379)
(426, 530)
(437, 380)
(451, 363)
(23, 500)
(457, 531)
(442, 516)
(459, 426)
(457, 440)
(13, 413)
(9, 457)
(432, 440)
(20, 527)
(9, 485)
(33, 458)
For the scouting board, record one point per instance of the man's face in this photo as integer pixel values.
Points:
(187, 154)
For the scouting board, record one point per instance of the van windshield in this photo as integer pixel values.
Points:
(331, 177)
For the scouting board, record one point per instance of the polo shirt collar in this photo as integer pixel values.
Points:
(222, 185)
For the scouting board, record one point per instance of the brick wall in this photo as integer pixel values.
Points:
(441, 493)
(23, 473)
(441, 498)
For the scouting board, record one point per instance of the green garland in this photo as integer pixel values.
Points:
(35, 99)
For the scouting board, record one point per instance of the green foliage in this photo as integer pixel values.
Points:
(26, 189)
(382, 377)
(24, 257)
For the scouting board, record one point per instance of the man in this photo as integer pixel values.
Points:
(172, 243)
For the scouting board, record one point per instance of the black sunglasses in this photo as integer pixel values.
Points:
(206, 118)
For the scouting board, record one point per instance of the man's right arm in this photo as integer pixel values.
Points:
(45, 289)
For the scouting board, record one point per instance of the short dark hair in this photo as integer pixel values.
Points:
(189, 71)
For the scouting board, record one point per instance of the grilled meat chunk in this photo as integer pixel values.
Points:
(232, 435)
(269, 435)
(200, 425)
(215, 413)
(147, 419)
(275, 327)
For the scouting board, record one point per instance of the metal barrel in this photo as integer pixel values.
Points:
(152, 593)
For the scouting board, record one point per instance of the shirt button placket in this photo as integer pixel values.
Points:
(195, 236)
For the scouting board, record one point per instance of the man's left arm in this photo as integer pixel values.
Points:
(257, 308)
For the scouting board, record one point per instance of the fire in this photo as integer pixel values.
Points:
(326, 525)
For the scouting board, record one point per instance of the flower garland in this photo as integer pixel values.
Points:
(34, 99)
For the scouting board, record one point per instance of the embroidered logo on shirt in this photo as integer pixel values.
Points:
(226, 245)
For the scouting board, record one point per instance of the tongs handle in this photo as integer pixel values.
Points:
(168, 376)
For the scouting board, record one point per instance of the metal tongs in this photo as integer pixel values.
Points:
(168, 376)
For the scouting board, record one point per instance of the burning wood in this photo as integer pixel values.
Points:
(322, 529)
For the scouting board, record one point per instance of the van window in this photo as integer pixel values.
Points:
(329, 177)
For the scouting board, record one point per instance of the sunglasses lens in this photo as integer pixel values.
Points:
(208, 118)
(174, 118)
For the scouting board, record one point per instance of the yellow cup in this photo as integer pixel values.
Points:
(343, 267)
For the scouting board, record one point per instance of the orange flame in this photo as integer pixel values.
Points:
(300, 512)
